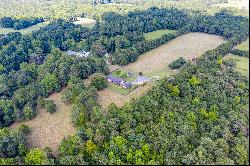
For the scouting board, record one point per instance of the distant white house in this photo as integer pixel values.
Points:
(81, 54)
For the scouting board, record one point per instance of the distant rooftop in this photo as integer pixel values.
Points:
(78, 54)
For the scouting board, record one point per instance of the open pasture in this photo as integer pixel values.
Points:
(188, 46)
(50, 129)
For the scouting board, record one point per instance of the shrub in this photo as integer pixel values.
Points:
(121, 74)
(177, 63)
(36, 157)
(25, 129)
(40, 101)
(50, 106)
(28, 113)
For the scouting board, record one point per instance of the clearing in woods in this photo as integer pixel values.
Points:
(86, 22)
(157, 34)
(25, 31)
(242, 63)
(50, 129)
(155, 62)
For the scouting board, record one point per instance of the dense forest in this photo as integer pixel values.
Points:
(200, 116)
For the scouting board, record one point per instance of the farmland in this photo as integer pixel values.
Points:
(24, 31)
(157, 34)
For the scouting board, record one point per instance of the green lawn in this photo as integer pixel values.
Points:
(120, 90)
(157, 34)
(244, 46)
(242, 63)
(123, 74)
(24, 31)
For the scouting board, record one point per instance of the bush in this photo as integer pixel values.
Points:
(40, 102)
(37, 157)
(177, 63)
(28, 113)
(99, 82)
(25, 129)
(50, 106)
(121, 74)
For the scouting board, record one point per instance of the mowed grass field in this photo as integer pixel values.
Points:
(244, 46)
(50, 129)
(157, 34)
(242, 63)
(26, 31)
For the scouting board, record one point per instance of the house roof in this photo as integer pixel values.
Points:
(114, 79)
(141, 79)
(127, 84)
